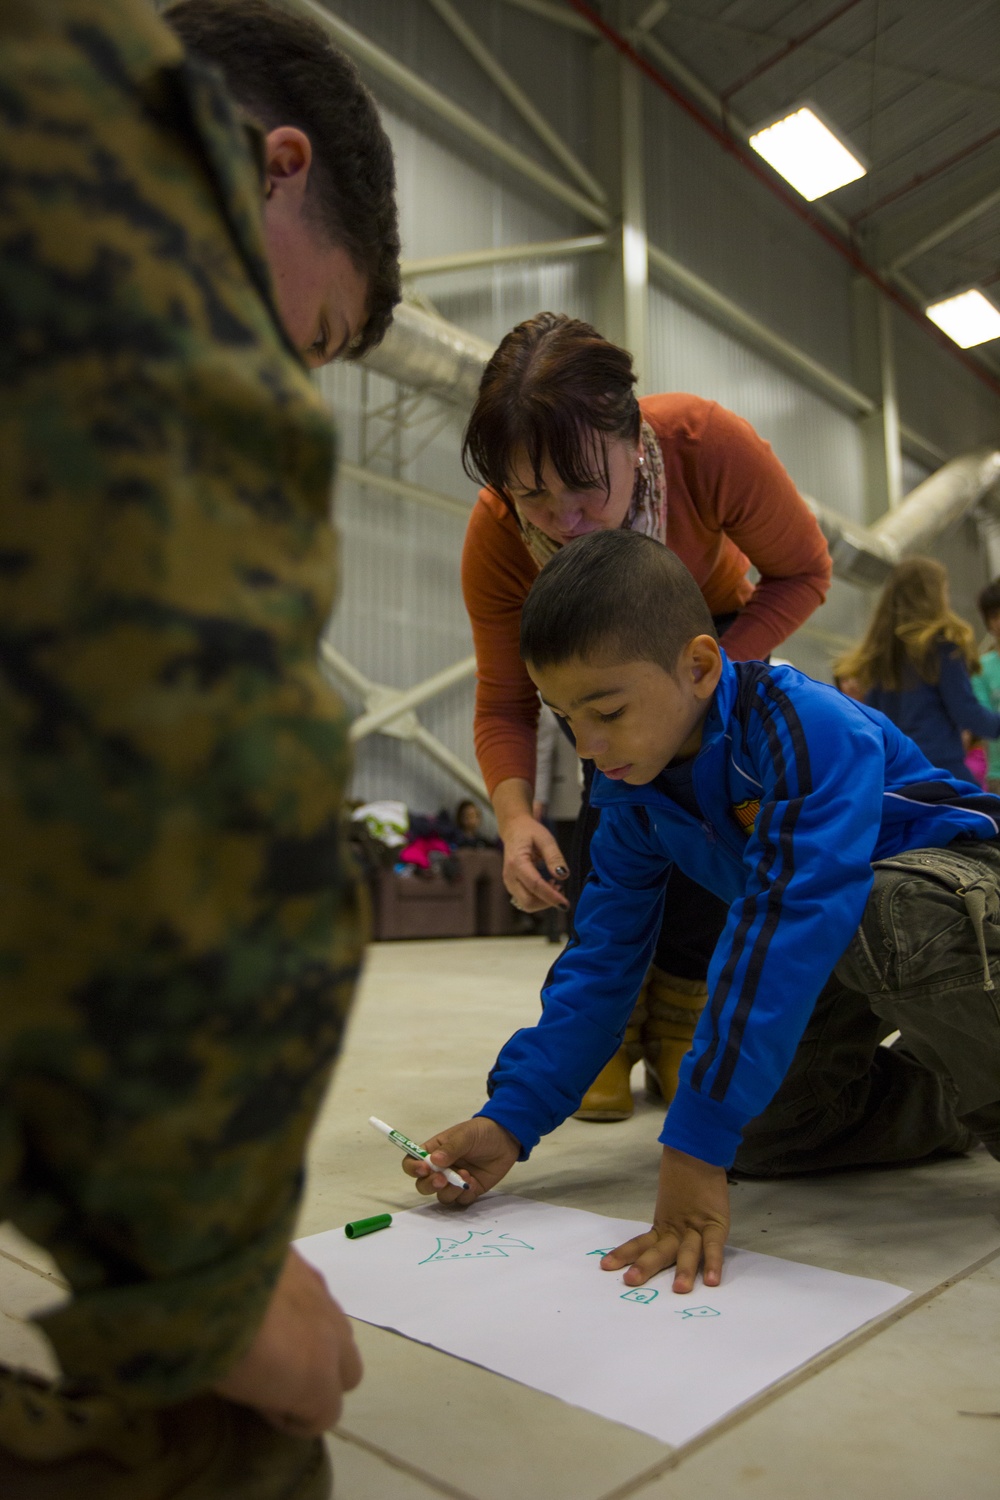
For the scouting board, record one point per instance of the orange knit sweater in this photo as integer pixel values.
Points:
(729, 504)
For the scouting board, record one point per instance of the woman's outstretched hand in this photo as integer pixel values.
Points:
(526, 844)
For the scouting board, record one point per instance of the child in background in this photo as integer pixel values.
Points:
(987, 685)
(469, 823)
(915, 664)
(862, 882)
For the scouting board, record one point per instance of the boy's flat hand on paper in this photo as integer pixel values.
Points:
(479, 1150)
(690, 1228)
(302, 1359)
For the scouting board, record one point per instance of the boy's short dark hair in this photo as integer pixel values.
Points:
(284, 70)
(615, 593)
(989, 601)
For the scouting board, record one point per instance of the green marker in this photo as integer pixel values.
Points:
(410, 1148)
(360, 1227)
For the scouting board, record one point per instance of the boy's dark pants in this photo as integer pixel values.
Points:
(925, 961)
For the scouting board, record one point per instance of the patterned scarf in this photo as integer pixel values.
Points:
(647, 512)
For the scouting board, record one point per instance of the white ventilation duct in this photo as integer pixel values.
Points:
(424, 351)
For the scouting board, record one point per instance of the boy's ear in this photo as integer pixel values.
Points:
(704, 663)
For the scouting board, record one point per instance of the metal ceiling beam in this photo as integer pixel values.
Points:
(466, 260)
(706, 299)
(551, 10)
(920, 179)
(836, 56)
(402, 489)
(944, 231)
(652, 15)
(397, 718)
(896, 232)
(792, 45)
(518, 99)
(404, 701)
(379, 61)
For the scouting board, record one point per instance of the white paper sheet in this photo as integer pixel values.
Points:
(516, 1286)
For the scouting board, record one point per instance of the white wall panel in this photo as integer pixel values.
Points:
(946, 403)
(708, 212)
(818, 444)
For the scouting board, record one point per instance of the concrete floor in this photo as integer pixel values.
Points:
(912, 1410)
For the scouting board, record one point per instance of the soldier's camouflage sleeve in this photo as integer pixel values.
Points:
(178, 936)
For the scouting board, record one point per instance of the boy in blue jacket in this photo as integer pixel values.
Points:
(864, 896)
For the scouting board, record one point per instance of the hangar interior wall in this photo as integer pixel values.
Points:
(400, 616)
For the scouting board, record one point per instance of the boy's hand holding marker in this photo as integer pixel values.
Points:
(480, 1150)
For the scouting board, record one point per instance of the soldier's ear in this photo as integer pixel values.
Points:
(287, 159)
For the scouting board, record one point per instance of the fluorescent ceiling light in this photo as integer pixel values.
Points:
(807, 153)
(970, 318)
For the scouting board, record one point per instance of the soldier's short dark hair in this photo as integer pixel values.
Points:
(285, 70)
(613, 593)
(989, 600)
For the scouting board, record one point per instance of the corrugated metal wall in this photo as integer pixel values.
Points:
(400, 616)
(704, 209)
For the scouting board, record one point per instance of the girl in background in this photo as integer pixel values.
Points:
(987, 685)
(916, 662)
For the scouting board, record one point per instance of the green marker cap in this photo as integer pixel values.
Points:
(367, 1226)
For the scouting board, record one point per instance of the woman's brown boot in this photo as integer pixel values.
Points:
(610, 1095)
(672, 1009)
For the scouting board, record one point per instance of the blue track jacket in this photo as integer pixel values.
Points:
(801, 789)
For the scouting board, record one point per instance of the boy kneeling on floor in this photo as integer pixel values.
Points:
(864, 896)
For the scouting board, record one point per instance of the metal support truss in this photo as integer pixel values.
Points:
(518, 99)
(467, 260)
(404, 490)
(391, 711)
(942, 232)
(379, 61)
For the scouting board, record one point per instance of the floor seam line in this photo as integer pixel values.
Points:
(414, 1470)
(797, 1378)
(26, 1265)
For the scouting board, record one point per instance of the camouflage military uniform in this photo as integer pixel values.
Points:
(178, 936)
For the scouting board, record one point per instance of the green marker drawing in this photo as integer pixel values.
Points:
(473, 1247)
(359, 1227)
(639, 1296)
(697, 1312)
(600, 1252)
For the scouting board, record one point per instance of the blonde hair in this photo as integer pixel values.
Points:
(911, 619)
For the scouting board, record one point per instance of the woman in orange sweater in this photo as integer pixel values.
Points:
(562, 447)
